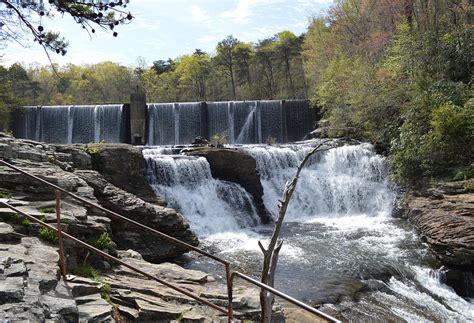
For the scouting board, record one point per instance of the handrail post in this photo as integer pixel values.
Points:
(230, 310)
(60, 236)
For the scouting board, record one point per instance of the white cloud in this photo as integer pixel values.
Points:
(199, 15)
(210, 39)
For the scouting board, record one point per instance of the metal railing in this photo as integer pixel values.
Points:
(230, 275)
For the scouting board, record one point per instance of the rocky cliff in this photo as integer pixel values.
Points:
(444, 216)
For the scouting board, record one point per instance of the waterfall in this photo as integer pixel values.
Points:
(74, 124)
(210, 205)
(337, 233)
(348, 180)
(241, 122)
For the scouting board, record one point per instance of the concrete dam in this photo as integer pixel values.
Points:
(238, 122)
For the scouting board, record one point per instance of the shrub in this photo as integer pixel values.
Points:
(102, 242)
(48, 235)
(85, 271)
(25, 222)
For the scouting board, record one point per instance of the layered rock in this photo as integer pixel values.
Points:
(123, 166)
(234, 166)
(445, 217)
(163, 219)
(31, 291)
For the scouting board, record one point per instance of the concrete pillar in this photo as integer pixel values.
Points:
(138, 115)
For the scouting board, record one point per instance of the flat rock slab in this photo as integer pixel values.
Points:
(7, 234)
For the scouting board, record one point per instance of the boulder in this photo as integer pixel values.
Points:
(234, 166)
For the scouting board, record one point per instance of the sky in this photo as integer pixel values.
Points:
(165, 29)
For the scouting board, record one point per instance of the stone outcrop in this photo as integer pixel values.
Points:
(56, 164)
(234, 166)
(160, 218)
(444, 216)
(144, 300)
(31, 291)
(123, 166)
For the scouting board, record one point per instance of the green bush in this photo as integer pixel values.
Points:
(102, 242)
(5, 195)
(25, 222)
(48, 235)
(85, 271)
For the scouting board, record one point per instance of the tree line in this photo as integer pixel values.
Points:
(270, 69)
(397, 73)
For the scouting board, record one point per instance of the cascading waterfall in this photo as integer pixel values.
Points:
(338, 231)
(349, 180)
(210, 205)
(74, 124)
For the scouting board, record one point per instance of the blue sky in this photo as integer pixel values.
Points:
(169, 28)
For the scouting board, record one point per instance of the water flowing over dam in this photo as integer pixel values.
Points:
(240, 122)
(341, 244)
(72, 124)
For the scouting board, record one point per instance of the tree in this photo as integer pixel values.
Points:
(265, 58)
(193, 71)
(24, 18)
(226, 58)
(162, 66)
(271, 253)
(287, 47)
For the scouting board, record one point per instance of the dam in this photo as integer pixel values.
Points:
(236, 122)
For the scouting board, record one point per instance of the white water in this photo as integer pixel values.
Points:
(210, 205)
(338, 229)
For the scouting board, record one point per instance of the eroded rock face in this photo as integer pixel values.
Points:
(445, 217)
(234, 166)
(123, 163)
(163, 219)
(123, 166)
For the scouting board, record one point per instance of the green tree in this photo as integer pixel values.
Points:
(226, 58)
(193, 71)
(25, 18)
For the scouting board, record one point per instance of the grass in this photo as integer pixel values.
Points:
(5, 195)
(102, 242)
(89, 272)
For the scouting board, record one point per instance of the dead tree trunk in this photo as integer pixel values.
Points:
(270, 254)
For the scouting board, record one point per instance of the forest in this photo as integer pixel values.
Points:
(397, 73)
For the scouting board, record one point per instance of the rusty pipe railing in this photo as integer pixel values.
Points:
(112, 258)
(229, 274)
(290, 299)
(137, 224)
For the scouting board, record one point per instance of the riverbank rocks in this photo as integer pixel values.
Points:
(157, 217)
(444, 215)
(30, 288)
(234, 166)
